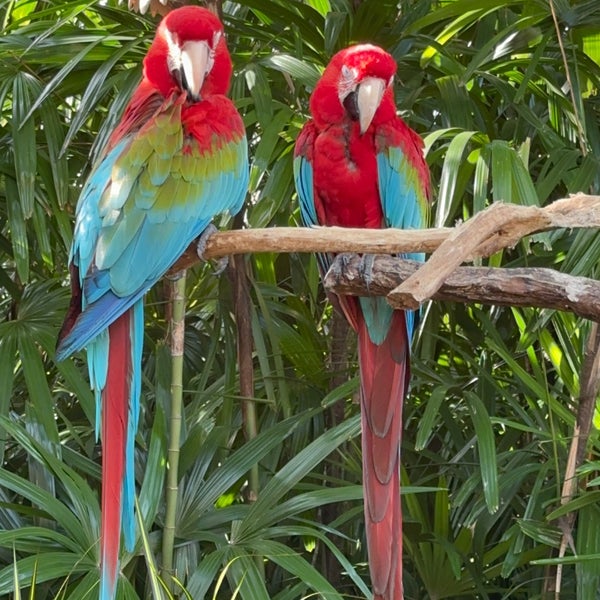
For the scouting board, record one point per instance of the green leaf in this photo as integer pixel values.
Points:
(18, 229)
(486, 446)
(299, 70)
(46, 566)
(430, 416)
(25, 88)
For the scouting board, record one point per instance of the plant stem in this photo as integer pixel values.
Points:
(177, 339)
(243, 318)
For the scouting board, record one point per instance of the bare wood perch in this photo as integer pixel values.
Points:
(499, 226)
(578, 211)
(315, 239)
(542, 288)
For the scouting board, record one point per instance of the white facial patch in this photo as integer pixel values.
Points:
(174, 55)
(347, 82)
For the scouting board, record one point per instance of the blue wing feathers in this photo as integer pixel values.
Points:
(403, 203)
(303, 176)
(130, 230)
(378, 317)
(404, 206)
(94, 320)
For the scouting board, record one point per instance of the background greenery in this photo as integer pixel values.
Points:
(494, 391)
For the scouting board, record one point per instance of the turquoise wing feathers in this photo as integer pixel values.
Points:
(402, 190)
(303, 177)
(404, 193)
(150, 196)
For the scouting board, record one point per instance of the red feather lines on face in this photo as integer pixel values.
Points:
(189, 23)
(365, 61)
(369, 61)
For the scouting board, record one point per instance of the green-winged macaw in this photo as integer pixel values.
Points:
(357, 164)
(177, 158)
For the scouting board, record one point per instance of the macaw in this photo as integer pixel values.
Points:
(176, 159)
(357, 164)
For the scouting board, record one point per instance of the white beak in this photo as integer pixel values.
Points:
(196, 62)
(370, 92)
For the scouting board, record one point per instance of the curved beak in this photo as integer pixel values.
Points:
(195, 64)
(369, 94)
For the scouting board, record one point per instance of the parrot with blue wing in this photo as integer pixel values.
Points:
(357, 164)
(177, 158)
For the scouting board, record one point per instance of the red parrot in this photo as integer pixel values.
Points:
(177, 158)
(357, 164)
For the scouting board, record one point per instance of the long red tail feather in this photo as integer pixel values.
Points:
(384, 374)
(115, 407)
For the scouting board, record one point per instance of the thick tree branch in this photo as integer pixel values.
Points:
(506, 225)
(543, 288)
(317, 239)
(500, 226)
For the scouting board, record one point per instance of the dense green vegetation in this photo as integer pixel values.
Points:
(495, 391)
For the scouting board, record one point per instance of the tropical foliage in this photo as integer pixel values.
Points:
(505, 93)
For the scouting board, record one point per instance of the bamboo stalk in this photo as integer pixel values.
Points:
(172, 489)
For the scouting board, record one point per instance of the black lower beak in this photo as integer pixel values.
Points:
(351, 105)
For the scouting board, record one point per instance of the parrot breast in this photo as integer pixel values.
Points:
(345, 176)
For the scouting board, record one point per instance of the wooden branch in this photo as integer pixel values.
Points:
(577, 211)
(499, 226)
(314, 239)
(542, 288)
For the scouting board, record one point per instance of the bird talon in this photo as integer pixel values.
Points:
(366, 268)
(175, 276)
(203, 241)
(220, 264)
(341, 263)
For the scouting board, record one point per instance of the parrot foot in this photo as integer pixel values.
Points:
(366, 268)
(341, 262)
(220, 264)
(175, 276)
(203, 240)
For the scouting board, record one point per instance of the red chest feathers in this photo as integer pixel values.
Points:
(213, 122)
(345, 175)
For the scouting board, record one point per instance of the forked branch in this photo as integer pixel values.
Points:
(498, 227)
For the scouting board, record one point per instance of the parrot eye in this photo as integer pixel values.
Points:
(347, 85)
(348, 78)
(350, 103)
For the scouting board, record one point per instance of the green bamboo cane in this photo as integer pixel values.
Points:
(177, 339)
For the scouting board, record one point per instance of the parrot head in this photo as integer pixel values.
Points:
(357, 84)
(189, 55)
